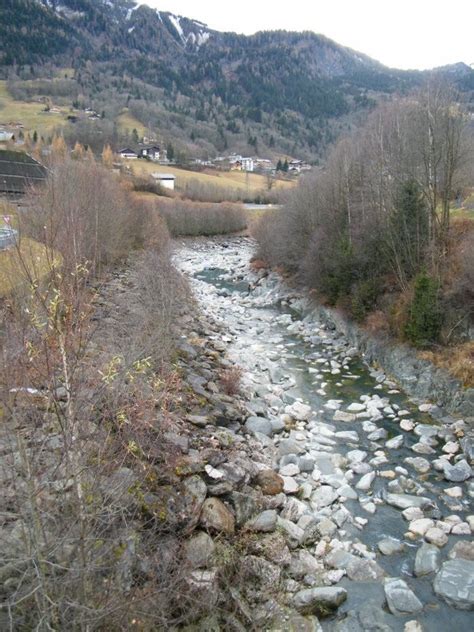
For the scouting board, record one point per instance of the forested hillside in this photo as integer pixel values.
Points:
(386, 231)
(273, 92)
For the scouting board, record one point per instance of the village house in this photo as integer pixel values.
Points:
(128, 153)
(152, 152)
(297, 166)
(239, 163)
(166, 180)
(264, 165)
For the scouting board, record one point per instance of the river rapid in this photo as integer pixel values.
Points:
(388, 481)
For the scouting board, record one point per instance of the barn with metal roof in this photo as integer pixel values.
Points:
(18, 172)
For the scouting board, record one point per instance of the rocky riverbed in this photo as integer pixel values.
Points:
(367, 515)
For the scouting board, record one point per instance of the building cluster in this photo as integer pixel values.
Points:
(233, 162)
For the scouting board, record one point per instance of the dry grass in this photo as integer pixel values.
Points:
(30, 258)
(127, 123)
(458, 361)
(30, 115)
(229, 180)
(230, 380)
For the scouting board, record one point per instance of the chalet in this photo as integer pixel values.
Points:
(151, 152)
(297, 166)
(247, 164)
(19, 171)
(166, 180)
(128, 153)
(264, 165)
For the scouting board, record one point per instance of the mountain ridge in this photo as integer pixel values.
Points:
(272, 89)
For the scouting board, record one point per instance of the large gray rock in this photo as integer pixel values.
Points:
(264, 522)
(455, 583)
(339, 559)
(199, 550)
(457, 473)
(299, 411)
(426, 560)
(319, 600)
(366, 481)
(395, 443)
(293, 534)
(404, 501)
(389, 546)
(362, 570)
(289, 446)
(368, 617)
(192, 497)
(462, 550)
(245, 506)
(323, 497)
(400, 598)
(260, 425)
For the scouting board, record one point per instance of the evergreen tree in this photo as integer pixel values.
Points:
(408, 231)
(279, 166)
(35, 137)
(285, 166)
(425, 317)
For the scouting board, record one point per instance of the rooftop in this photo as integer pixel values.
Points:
(18, 171)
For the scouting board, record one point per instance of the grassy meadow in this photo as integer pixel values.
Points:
(238, 180)
(30, 115)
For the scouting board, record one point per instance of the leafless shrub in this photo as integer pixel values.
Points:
(85, 406)
(85, 214)
(191, 218)
(230, 380)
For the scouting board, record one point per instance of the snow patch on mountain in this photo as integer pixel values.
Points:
(197, 39)
(130, 12)
(175, 21)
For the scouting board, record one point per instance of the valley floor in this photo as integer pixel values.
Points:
(267, 479)
(377, 504)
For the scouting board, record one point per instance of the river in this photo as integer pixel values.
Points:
(361, 455)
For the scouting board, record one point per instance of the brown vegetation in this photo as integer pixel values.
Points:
(193, 218)
(230, 380)
(374, 231)
(86, 391)
(459, 361)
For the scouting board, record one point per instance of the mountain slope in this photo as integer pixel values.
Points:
(272, 90)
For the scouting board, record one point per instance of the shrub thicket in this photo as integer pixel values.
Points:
(193, 219)
(379, 214)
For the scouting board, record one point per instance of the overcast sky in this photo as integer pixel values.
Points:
(399, 33)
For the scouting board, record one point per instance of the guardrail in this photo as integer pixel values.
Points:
(8, 237)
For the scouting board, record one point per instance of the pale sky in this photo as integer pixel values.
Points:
(399, 33)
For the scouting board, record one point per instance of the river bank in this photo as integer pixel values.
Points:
(376, 500)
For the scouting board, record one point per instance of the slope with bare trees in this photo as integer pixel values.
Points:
(375, 232)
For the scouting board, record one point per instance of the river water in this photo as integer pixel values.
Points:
(287, 358)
